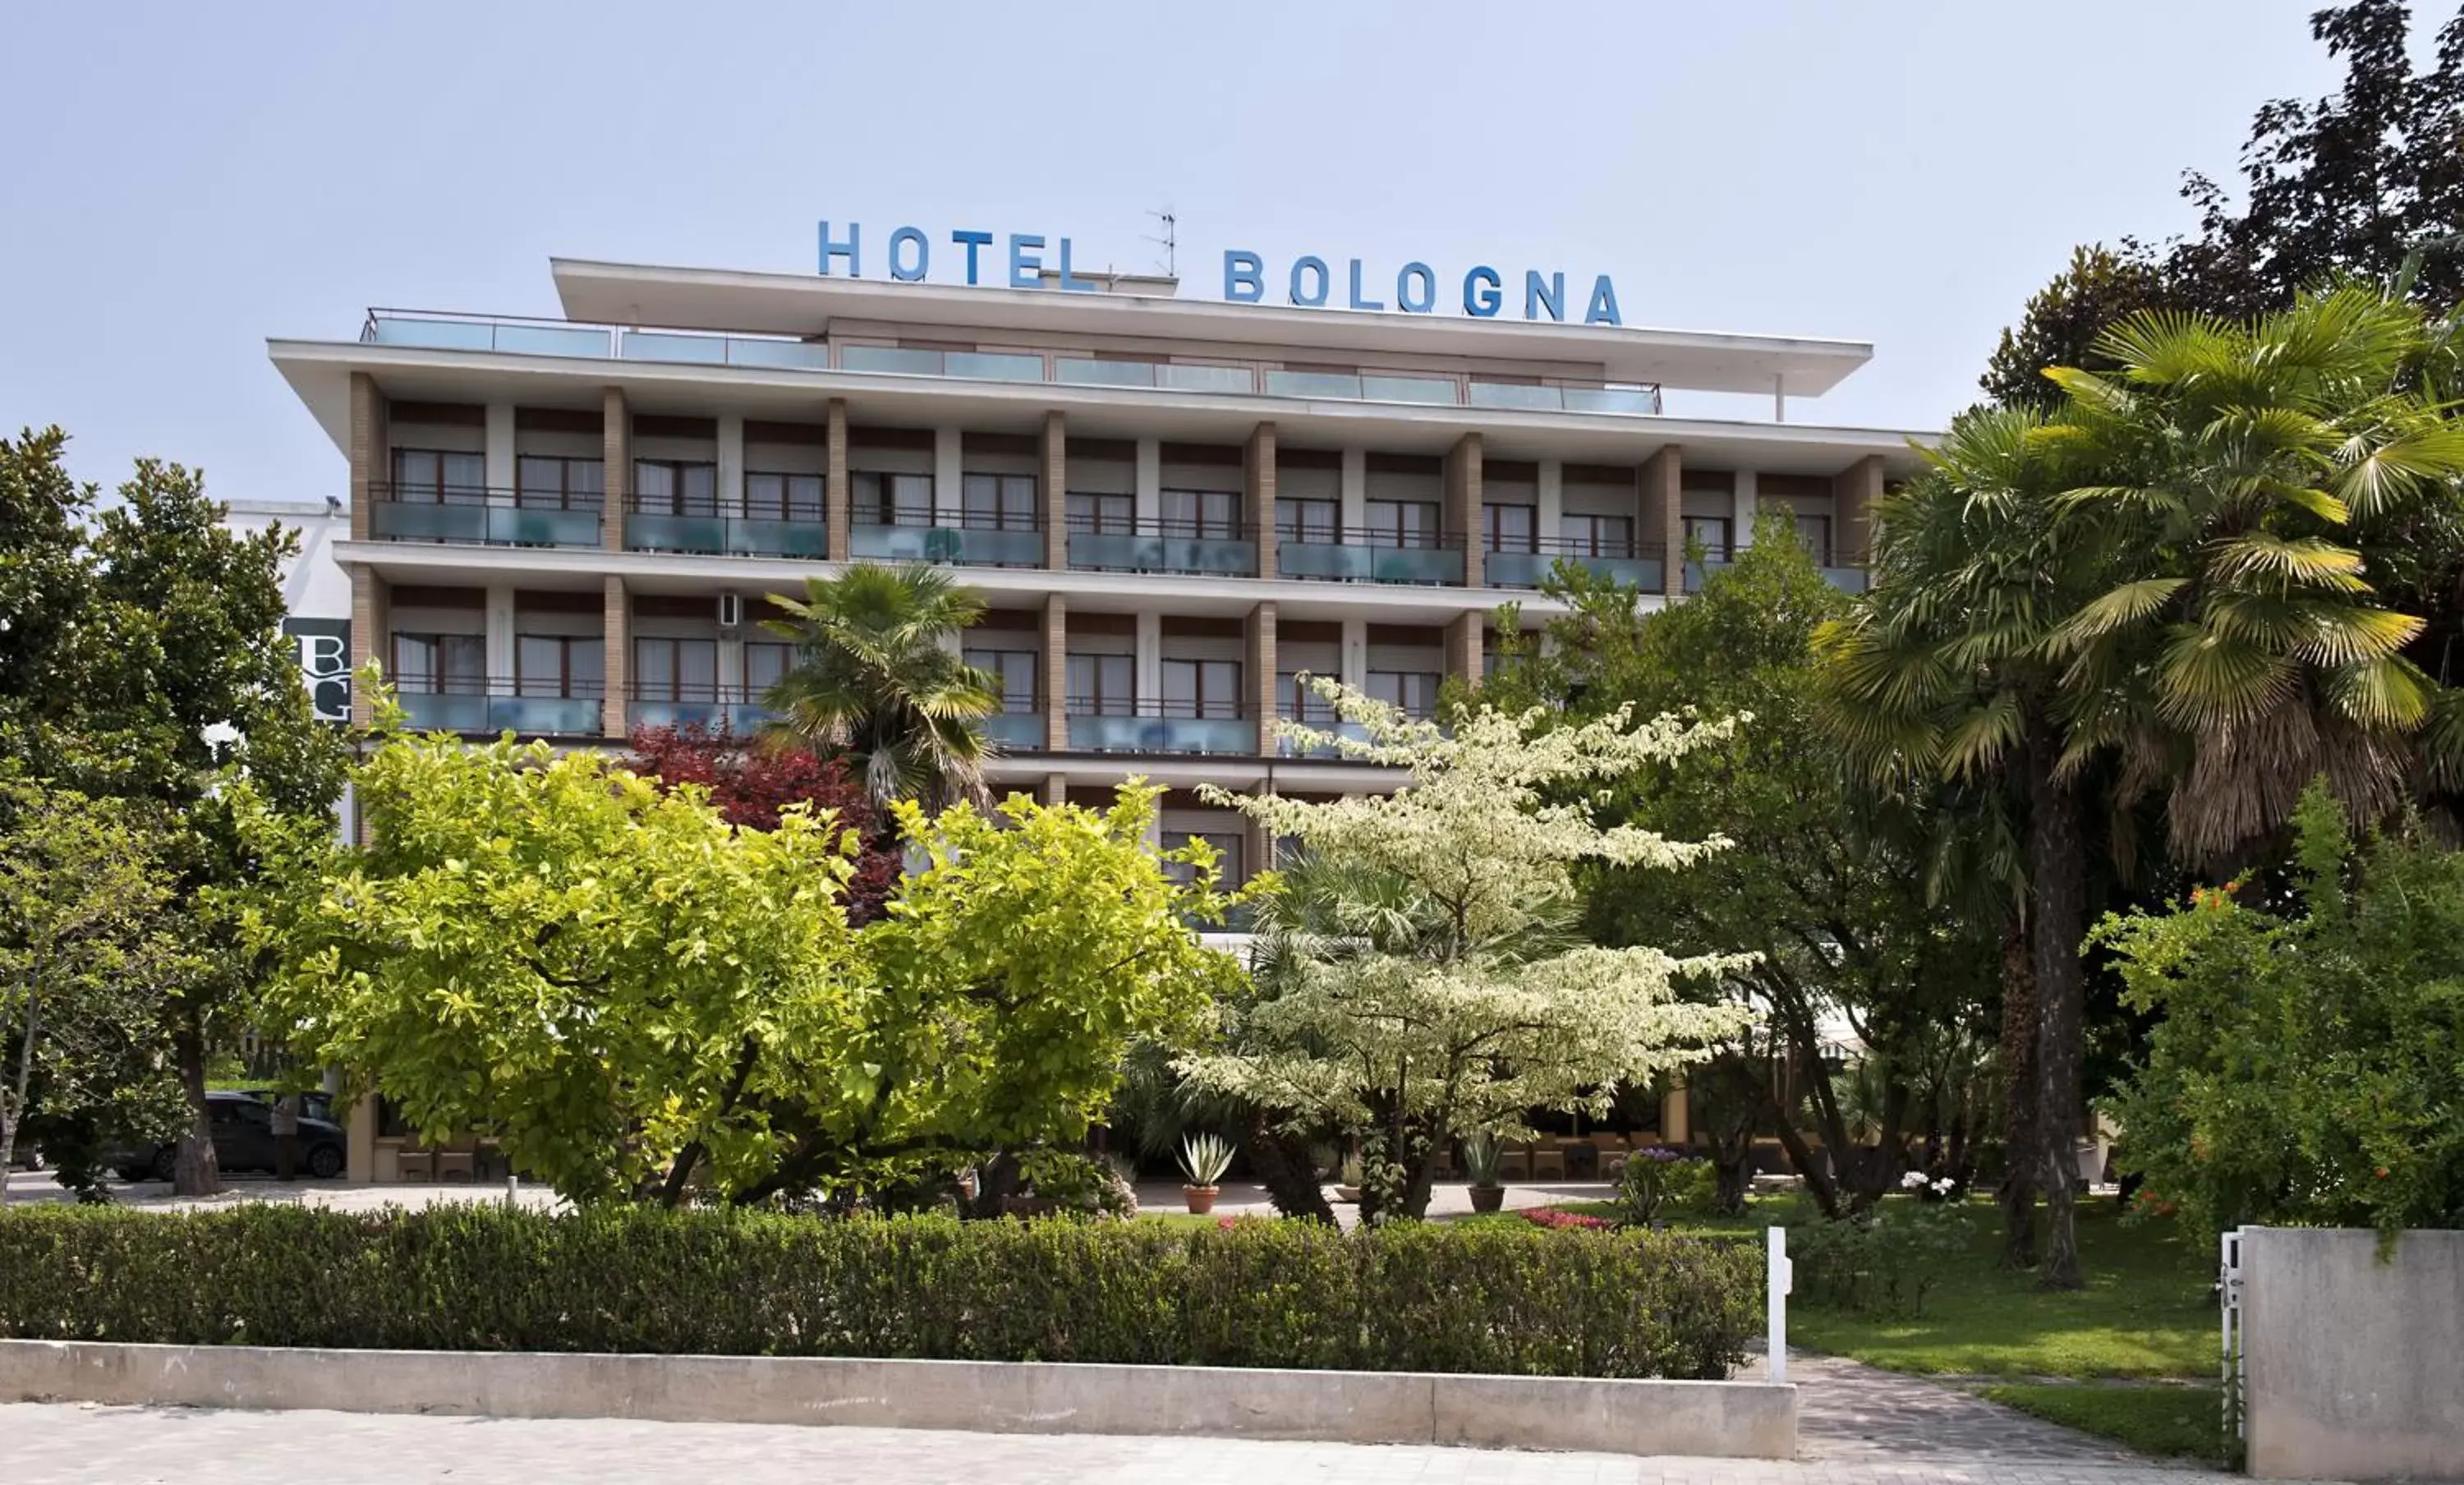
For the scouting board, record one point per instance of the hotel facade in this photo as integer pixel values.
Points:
(1172, 508)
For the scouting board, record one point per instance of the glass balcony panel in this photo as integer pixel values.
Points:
(1848, 579)
(1696, 572)
(890, 358)
(1120, 552)
(1507, 394)
(543, 340)
(1292, 747)
(435, 334)
(1611, 399)
(792, 355)
(1104, 373)
(748, 536)
(1018, 731)
(948, 544)
(565, 716)
(1208, 379)
(651, 533)
(1408, 389)
(1329, 560)
(743, 718)
(408, 520)
(992, 365)
(1312, 383)
(1514, 570)
(512, 526)
(1162, 735)
(429, 711)
(709, 350)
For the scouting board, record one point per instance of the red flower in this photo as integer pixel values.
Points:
(1555, 1220)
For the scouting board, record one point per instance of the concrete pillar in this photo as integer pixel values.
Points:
(1056, 490)
(616, 436)
(501, 631)
(1056, 673)
(1149, 656)
(371, 464)
(618, 636)
(1748, 509)
(1676, 1119)
(1551, 511)
(836, 496)
(500, 459)
(1354, 665)
(949, 474)
(1258, 495)
(730, 463)
(1352, 510)
(1463, 636)
(1854, 492)
(1462, 513)
(1258, 660)
(1056, 788)
(359, 1141)
(370, 636)
(1147, 504)
(1659, 514)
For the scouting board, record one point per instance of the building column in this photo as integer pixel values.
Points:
(1463, 502)
(1258, 495)
(730, 463)
(1056, 788)
(1354, 665)
(616, 437)
(1551, 511)
(371, 468)
(1056, 490)
(1352, 507)
(1660, 513)
(359, 1141)
(1855, 491)
(1149, 664)
(1745, 509)
(1146, 505)
(837, 498)
(499, 630)
(1463, 635)
(501, 446)
(1056, 673)
(617, 643)
(949, 474)
(1676, 1120)
(1258, 641)
(370, 638)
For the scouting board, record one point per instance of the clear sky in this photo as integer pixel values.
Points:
(187, 180)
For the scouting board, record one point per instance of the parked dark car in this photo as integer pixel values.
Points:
(243, 1127)
(312, 1105)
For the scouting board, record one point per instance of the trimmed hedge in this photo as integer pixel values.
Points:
(1256, 1293)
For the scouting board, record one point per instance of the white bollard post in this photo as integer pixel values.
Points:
(513, 1189)
(1777, 1283)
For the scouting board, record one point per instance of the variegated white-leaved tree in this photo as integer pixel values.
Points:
(1417, 975)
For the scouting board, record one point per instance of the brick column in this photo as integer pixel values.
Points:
(1660, 507)
(1854, 493)
(1463, 645)
(1056, 673)
(613, 720)
(369, 465)
(370, 640)
(837, 494)
(1258, 657)
(616, 438)
(1056, 788)
(1258, 495)
(1056, 491)
(1463, 502)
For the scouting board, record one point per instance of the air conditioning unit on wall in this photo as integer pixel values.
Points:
(730, 610)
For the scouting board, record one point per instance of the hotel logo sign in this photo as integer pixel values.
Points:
(324, 664)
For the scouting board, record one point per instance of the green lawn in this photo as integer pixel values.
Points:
(2154, 1419)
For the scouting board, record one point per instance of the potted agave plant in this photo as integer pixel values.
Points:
(1480, 1163)
(1203, 1160)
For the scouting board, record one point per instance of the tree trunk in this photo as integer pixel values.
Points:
(12, 1104)
(196, 1172)
(2057, 882)
(2018, 1049)
(1284, 1162)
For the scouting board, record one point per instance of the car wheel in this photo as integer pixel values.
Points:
(325, 1162)
(167, 1163)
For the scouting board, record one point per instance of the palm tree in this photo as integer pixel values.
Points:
(877, 677)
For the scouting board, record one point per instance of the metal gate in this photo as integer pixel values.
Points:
(2229, 1298)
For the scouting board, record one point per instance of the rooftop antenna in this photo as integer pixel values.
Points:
(1168, 240)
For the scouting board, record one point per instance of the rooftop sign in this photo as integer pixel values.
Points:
(1018, 262)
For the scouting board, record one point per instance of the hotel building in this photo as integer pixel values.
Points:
(1172, 508)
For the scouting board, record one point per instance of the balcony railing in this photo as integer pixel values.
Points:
(800, 532)
(1848, 579)
(1020, 732)
(730, 709)
(1320, 718)
(1162, 546)
(483, 516)
(1634, 565)
(501, 704)
(1177, 727)
(511, 335)
(917, 534)
(1368, 555)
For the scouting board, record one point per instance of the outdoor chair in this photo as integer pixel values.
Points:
(1549, 1162)
(1514, 1162)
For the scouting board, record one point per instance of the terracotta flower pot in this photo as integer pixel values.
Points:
(1201, 1198)
(1487, 1198)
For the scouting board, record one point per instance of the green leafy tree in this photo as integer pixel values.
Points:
(2063, 321)
(1426, 982)
(877, 677)
(2305, 1068)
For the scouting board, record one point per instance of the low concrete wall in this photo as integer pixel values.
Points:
(2352, 1369)
(1732, 1419)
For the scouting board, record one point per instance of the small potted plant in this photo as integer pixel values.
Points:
(1203, 1160)
(1480, 1163)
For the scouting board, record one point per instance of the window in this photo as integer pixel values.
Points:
(554, 665)
(999, 502)
(892, 499)
(1214, 514)
(545, 481)
(1403, 522)
(1414, 692)
(1103, 685)
(1596, 536)
(1227, 857)
(1507, 528)
(1108, 514)
(1710, 533)
(430, 475)
(1202, 688)
(1296, 701)
(674, 487)
(1013, 673)
(1813, 533)
(765, 664)
(1307, 520)
(675, 670)
(774, 497)
(431, 664)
